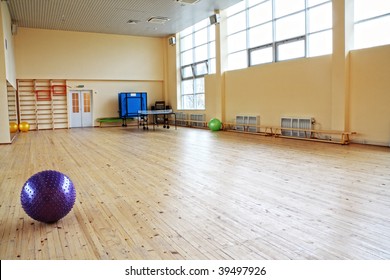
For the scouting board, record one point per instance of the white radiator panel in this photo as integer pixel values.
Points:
(247, 123)
(300, 123)
(181, 118)
(198, 120)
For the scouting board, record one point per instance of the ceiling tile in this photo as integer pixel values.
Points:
(102, 16)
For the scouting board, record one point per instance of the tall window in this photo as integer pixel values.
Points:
(372, 22)
(264, 31)
(197, 59)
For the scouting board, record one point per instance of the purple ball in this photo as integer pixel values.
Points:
(48, 196)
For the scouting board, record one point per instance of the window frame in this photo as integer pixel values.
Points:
(193, 66)
(276, 43)
(189, 71)
(366, 20)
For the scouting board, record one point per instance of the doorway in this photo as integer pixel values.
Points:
(80, 108)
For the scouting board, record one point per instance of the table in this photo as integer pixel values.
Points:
(144, 115)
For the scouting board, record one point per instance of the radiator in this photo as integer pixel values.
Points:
(197, 120)
(301, 123)
(181, 118)
(247, 123)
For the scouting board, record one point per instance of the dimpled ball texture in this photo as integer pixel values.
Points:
(48, 196)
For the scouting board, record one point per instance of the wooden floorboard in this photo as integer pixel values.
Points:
(196, 194)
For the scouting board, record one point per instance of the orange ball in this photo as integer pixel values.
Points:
(13, 127)
(24, 126)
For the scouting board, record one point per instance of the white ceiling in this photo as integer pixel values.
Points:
(111, 16)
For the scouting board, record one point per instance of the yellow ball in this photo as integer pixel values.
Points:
(13, 127)
(24, 126)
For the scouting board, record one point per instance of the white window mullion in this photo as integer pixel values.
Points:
(274, 32)
(291, 23)
(306, 29)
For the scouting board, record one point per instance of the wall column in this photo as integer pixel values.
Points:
(219, 109)
(342, 43)
(5, 136)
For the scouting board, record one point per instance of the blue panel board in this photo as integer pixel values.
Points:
(130, 103)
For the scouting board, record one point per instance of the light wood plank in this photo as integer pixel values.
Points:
(197, 194)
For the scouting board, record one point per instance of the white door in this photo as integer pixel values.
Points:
(80, 108)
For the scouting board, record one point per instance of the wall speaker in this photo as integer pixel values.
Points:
(172, 40)
(214, 19)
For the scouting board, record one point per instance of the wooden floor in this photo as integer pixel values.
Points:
(195, 194)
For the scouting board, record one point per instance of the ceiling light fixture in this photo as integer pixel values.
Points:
(133, 21)
(158, 20)
(187, 2)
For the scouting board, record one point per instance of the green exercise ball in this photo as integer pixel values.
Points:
(215, 124)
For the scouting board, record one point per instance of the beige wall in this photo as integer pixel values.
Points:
(106, 64)
(49, 54)
(309, 87)
(7, 70)
(370, 95)
(298, 88)
(9, 50)
(346, 90)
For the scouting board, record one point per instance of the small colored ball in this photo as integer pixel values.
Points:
(215, 124)
(24, 126)
(13, 127)
(48, 196)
